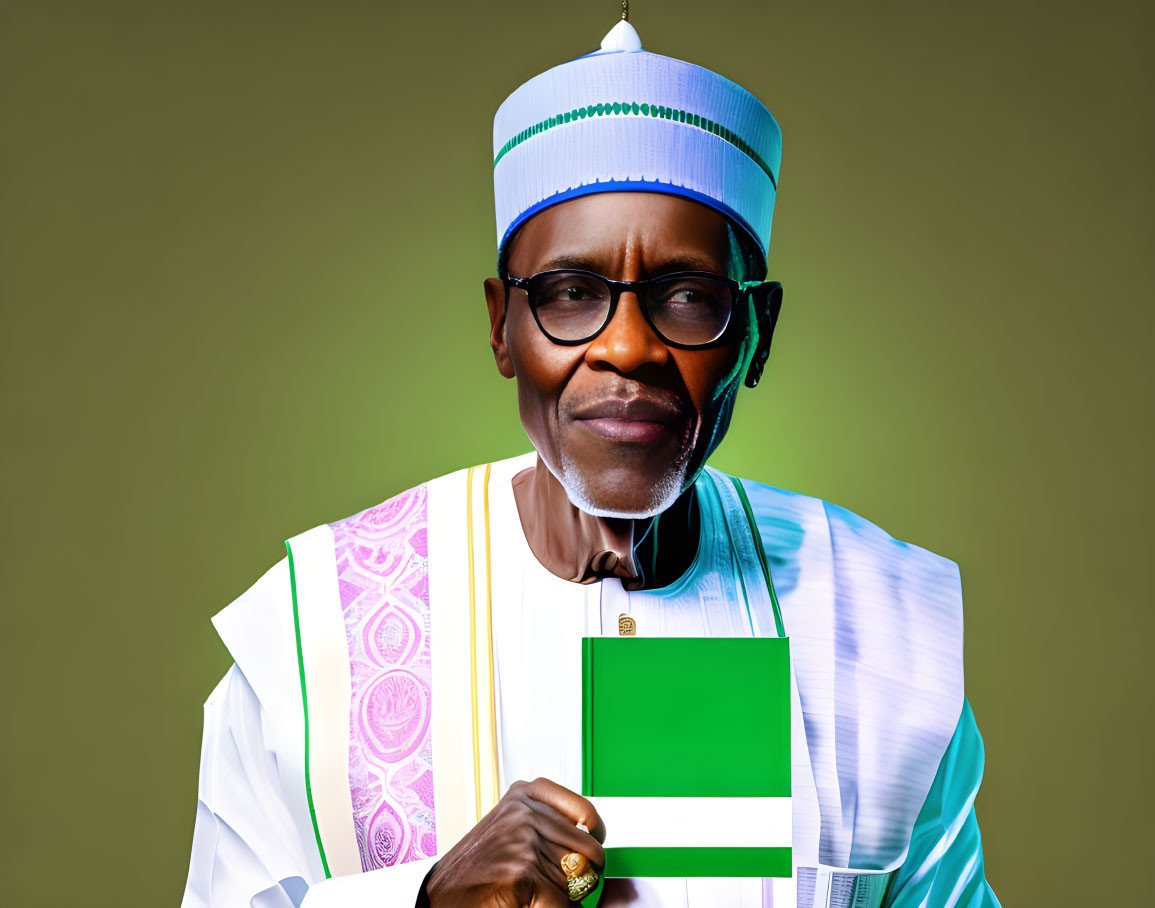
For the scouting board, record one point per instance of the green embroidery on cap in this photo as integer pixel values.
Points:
(628, 108)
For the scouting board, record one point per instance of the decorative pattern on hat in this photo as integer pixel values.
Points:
(625, 108)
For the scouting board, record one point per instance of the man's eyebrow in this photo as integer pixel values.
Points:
(687, 262)
(574, 262)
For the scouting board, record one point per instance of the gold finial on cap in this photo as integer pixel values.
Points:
(625, 10)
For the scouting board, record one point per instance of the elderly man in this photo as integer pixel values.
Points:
(402, 672)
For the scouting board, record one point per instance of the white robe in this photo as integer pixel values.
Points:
(875, 629)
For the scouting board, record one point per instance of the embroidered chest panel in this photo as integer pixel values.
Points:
(383, 576)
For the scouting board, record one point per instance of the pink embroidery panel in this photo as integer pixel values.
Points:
(383, 575)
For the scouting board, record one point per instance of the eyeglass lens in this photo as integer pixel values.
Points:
(684, 310)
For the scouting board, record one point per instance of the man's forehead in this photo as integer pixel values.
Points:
(655, 231)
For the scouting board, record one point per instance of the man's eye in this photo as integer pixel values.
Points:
(690, 296)
(571, 293)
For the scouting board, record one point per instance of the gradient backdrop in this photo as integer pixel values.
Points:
(241, 254)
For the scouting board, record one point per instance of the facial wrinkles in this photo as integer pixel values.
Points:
(696, 387)
(632, 256)
(630, 266)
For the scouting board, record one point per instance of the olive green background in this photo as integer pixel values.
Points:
(241, 254)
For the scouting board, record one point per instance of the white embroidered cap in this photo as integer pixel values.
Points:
(621, 118)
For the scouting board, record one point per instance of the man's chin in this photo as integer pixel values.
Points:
(622, 492)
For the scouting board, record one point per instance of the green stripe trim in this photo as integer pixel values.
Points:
(305, 710)
(634, 109)
(760, 549)
(686, 862)
(587, 716)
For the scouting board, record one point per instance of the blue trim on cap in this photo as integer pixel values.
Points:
(634, 186)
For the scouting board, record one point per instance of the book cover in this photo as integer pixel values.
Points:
(686, 753)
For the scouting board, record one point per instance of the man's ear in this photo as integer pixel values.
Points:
(767, 309)
(497, 299)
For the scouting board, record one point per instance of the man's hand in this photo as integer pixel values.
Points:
(512, 858)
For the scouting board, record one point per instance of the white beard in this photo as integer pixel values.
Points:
(663, 493)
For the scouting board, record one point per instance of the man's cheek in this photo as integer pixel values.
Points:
(537, 411)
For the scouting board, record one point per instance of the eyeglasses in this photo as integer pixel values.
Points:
(687, 309)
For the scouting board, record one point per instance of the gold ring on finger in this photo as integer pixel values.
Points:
(581, 878)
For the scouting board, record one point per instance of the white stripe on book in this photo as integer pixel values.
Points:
(695, 822)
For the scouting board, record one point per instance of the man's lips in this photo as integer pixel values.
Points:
(635, 431)
(638, 420)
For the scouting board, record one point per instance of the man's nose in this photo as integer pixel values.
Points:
(628, 342)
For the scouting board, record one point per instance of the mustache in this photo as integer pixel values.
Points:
(632, 402)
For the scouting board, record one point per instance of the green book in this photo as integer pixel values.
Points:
(686, 754)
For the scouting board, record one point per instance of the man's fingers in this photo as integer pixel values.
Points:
(557, 829)
(572, 805)
(549, 891)
(555, 813)
(551, 898)
(549, 858)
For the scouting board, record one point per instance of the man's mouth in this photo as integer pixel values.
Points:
(632, 420)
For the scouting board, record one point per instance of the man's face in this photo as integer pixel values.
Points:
(624, 421)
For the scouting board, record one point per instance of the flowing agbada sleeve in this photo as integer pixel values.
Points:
(944, 866)
(247, 848)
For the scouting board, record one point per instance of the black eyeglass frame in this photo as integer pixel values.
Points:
(741, 290)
